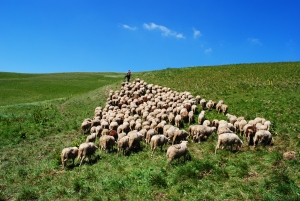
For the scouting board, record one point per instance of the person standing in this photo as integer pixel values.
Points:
(127, 76)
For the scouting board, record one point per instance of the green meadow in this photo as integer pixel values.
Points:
(40, 114)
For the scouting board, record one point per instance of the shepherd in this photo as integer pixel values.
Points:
(128, 74)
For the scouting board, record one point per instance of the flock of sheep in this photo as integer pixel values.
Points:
(141, 111)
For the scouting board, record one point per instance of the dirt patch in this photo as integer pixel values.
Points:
(290, 155)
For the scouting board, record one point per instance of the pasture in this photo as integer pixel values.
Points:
(40, 114)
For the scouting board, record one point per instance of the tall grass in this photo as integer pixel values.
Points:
(35, 127)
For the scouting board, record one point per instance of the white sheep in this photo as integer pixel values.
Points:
(224, 108)
(232, 118)
(267, 124)
(228, 139)
(179, 135)
(113, 125)
(191, 117)
(201, 117)
(106, 142)
(86, 125)
(218, 106)
(150, 133)
(91, 138)
(171, 132)
(178, 120)
(206, 123)
(176, 151)
(171, 118)
(263, 137)
(86, 149)
(210, 105)
(123, 144)
(134, 139)
(202, 132)
(203, 103)
(68, 153)
(158, 141)
(194, 108)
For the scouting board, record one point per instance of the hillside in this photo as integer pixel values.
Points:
(40, 114)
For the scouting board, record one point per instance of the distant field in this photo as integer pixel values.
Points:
(40, 114)
(24, 88)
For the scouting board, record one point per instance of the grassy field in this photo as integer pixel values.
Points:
(40, 114)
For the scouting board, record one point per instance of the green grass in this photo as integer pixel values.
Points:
(40, 114)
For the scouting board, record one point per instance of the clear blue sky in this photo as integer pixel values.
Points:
(45, 36)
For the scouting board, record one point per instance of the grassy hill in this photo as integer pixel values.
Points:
(40, 114)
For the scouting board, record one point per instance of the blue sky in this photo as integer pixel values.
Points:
(46, 36)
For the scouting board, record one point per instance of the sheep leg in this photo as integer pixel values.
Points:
(217, 147)
(153, 151)
(81, 160)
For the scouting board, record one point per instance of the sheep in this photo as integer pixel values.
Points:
(267, 124)
(215, 123)
(232, 118)
(114, 134)
(86, 149)
(218, 106)
(249, 133)
(150, 133)
(105, 131)
(86, 125)
(201, 117)
(68, 153)
(91, 138)
(120, 135)
(264, 137)
(203, 103)
(93, 129)
(260, 120)
(113, 125)
(260, 126)
(178, 120)
(171, 132)
(134, 139)
(191, 130)
(99, 130)
(210, 104)
(132, 124)
(191, 117)
(184, 115)
(105, 124)
(138, 126)
(158, 140)
(203, 132)
(224, 108)
(206, 123)
(241, 125)
(166, 127)
(171, 118)
(226, 139)
(106, 142)
(179, 135)
(123, 144)
(194, 109)
(160, 127)
(197, 99)
(95, 122)
(223, 129)
(176, 151)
